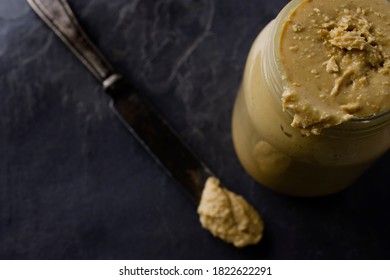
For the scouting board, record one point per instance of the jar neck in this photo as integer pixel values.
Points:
(362, 126)
(275, 79)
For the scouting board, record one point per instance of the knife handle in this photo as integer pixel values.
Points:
(59, 17)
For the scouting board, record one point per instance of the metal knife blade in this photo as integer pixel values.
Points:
(134, 111)
(163, 144)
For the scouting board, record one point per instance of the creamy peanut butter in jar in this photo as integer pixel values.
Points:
(313, 110)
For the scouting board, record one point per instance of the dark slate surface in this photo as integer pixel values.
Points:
(75, 185)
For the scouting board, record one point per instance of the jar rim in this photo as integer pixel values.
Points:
(371, 117)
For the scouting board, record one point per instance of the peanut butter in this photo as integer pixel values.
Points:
(229, 216)
(336, 59)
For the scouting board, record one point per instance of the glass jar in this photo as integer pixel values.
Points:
(276, 154)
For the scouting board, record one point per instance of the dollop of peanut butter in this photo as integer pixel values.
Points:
(229, 216)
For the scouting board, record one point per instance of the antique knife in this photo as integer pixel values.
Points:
(134, 111)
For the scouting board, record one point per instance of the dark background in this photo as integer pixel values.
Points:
(74, 184)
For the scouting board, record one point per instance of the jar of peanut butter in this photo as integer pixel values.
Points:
(313, 110)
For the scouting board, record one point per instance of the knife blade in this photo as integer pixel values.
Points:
(136, 113)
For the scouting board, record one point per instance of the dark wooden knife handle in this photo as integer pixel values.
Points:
(58, 15)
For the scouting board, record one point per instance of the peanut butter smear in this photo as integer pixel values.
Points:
(229, 216)
(336, 59)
